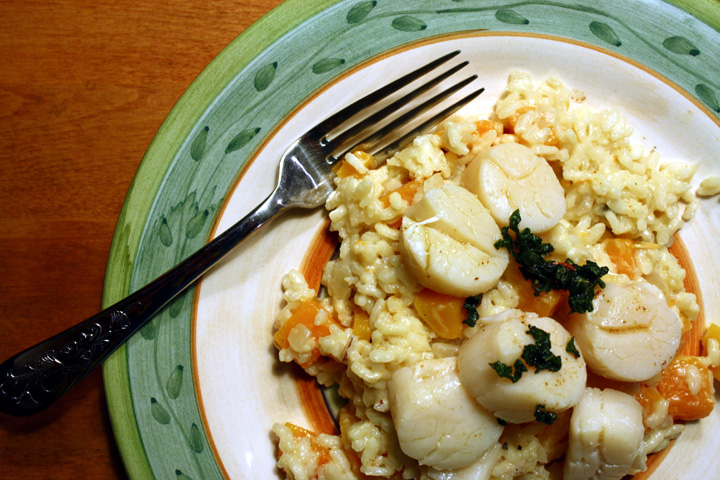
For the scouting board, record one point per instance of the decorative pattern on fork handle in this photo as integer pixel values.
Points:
(25, 386)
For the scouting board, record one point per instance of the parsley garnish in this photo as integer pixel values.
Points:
(572, 349)
(470, 306)
(506, 371)
(529, 251)
(543, 416)
(538, 355)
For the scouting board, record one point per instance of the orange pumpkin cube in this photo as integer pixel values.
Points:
(686, 402)
(305, 315)
(444, 314)
(622, 254)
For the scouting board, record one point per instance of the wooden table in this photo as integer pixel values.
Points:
(84, 86)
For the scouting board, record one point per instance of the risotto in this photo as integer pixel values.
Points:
(503, 303)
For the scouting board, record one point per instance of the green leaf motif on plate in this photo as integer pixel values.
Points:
(406, 23)
(605, 33)
(175, 381)
(197, 148)
(681, 46)
(148, 330)
(181, 476)
(158, 412)
(507, 15)
(166, 236)
(707, 96)
(196, 439)
(265, 76)
(360, 11)
(241, 139)
(326, 65)
(195, 224)
(176, 305)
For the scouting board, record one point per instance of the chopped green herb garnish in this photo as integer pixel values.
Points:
(538, 355)
(572, 349)
(543, 416)
(470, 306)
(506, 371)
(529, 252)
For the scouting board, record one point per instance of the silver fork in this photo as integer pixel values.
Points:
(37, 377)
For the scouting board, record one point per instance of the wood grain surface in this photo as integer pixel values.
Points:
(84, 86)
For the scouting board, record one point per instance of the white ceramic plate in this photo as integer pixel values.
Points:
(196, 392)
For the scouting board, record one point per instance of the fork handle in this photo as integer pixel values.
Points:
(37, 377)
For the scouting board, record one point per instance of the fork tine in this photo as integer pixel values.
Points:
(407, 117)
(392, 108)
(382, 150)
(338, 118)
